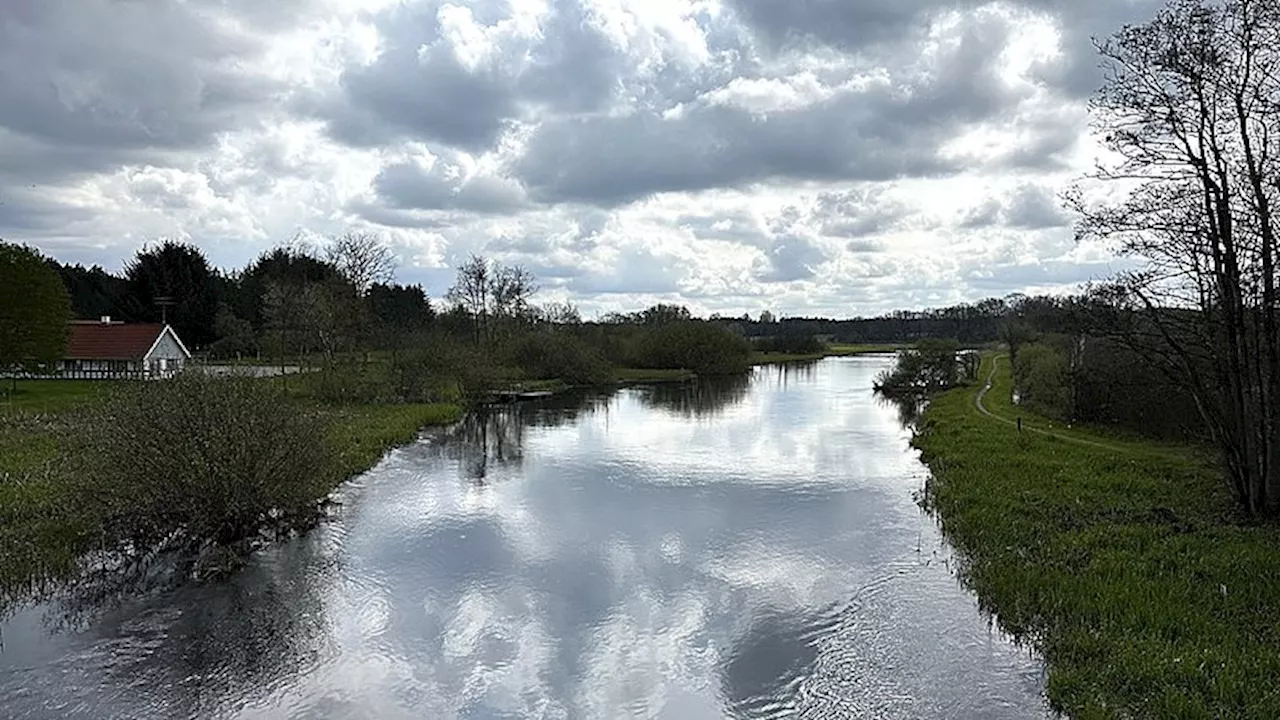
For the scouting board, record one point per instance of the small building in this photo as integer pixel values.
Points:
(111, 350)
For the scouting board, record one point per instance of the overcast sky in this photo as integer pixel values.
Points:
(840, 157)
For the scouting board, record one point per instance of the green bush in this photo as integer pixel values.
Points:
(547, 355)
(931, 366)
(790, 344)
(200, 461)
(1043, 379)
(349, 381)
(706, 348)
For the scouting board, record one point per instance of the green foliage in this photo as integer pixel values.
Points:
(1043, 378)
(213, 459)
(706, 348)
(931, 366)
(557, 354)
(1124, 563)
(34, 309)
(176, 273)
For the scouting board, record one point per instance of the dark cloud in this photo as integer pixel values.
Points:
(112, 76)
(410, 186)
(1029, 207)
(858, 213)
(882, 26)
(419, 88)
(881, 132)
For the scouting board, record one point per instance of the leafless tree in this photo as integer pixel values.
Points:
(362, 258)
(311, 317)
(1191, 106)
(493, 295)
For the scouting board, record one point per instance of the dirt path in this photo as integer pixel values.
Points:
(977, 401)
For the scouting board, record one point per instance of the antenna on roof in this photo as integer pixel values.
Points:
(165, 302)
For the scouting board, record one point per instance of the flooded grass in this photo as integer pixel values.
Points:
(1125, 565)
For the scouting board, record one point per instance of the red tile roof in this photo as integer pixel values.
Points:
(92, 340)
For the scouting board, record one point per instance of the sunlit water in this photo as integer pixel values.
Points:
(746, 549)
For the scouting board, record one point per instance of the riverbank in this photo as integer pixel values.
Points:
(775, 358)
(1124, 563)
(42, 527)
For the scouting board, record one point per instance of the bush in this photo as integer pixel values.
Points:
(1043, 380)
(200, 460)
(931, 366)
(791, 344)
(549, 355)
(706, 348)
(349, 381)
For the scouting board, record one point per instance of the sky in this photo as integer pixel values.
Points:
(807, 157)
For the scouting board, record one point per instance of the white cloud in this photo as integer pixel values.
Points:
(849, 158)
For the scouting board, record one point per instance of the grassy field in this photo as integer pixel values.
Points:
(40, 532)
(48, 396)
(1123, 562)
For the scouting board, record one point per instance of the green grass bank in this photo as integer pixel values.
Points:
(1123, 562)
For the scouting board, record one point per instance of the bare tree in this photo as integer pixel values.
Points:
(493, 295)
(362, 258)
(1191, 106)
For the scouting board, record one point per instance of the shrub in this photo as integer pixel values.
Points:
(931, 366)
(790, 344)
(560, 355)
(1043, 379)
(706, 348)
(349, 381)
(201, 460)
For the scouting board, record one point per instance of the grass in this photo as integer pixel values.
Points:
(1125, 565)
(361, 435)
(48, 396)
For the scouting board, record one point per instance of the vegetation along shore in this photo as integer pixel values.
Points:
(1123, 561)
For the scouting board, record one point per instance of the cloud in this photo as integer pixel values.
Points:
(1028, 207)
(443, 185)
(806, 156)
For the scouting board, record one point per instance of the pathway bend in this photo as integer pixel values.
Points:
(982, 408)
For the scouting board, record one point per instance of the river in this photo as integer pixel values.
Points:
(746, 548)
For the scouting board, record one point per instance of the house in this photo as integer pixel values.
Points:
(108, 350)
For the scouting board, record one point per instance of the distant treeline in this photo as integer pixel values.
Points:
(231, 313)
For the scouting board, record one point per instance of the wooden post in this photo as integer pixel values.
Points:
(1019, 423)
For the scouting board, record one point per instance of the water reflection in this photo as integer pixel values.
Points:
(493, 435)
(746, 549)
(908, 407)
(700, 398)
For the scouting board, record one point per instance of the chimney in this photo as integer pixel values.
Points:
(106, 319)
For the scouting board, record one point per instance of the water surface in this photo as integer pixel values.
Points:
(746, 549)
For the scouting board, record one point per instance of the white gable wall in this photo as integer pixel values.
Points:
(166, 348)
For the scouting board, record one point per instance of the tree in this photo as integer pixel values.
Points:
(400, 308)
(492, 295)
(310, 317)
(34, 310)
(281, 265)
(362, 258)
(1191, 106)
(173, 281)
